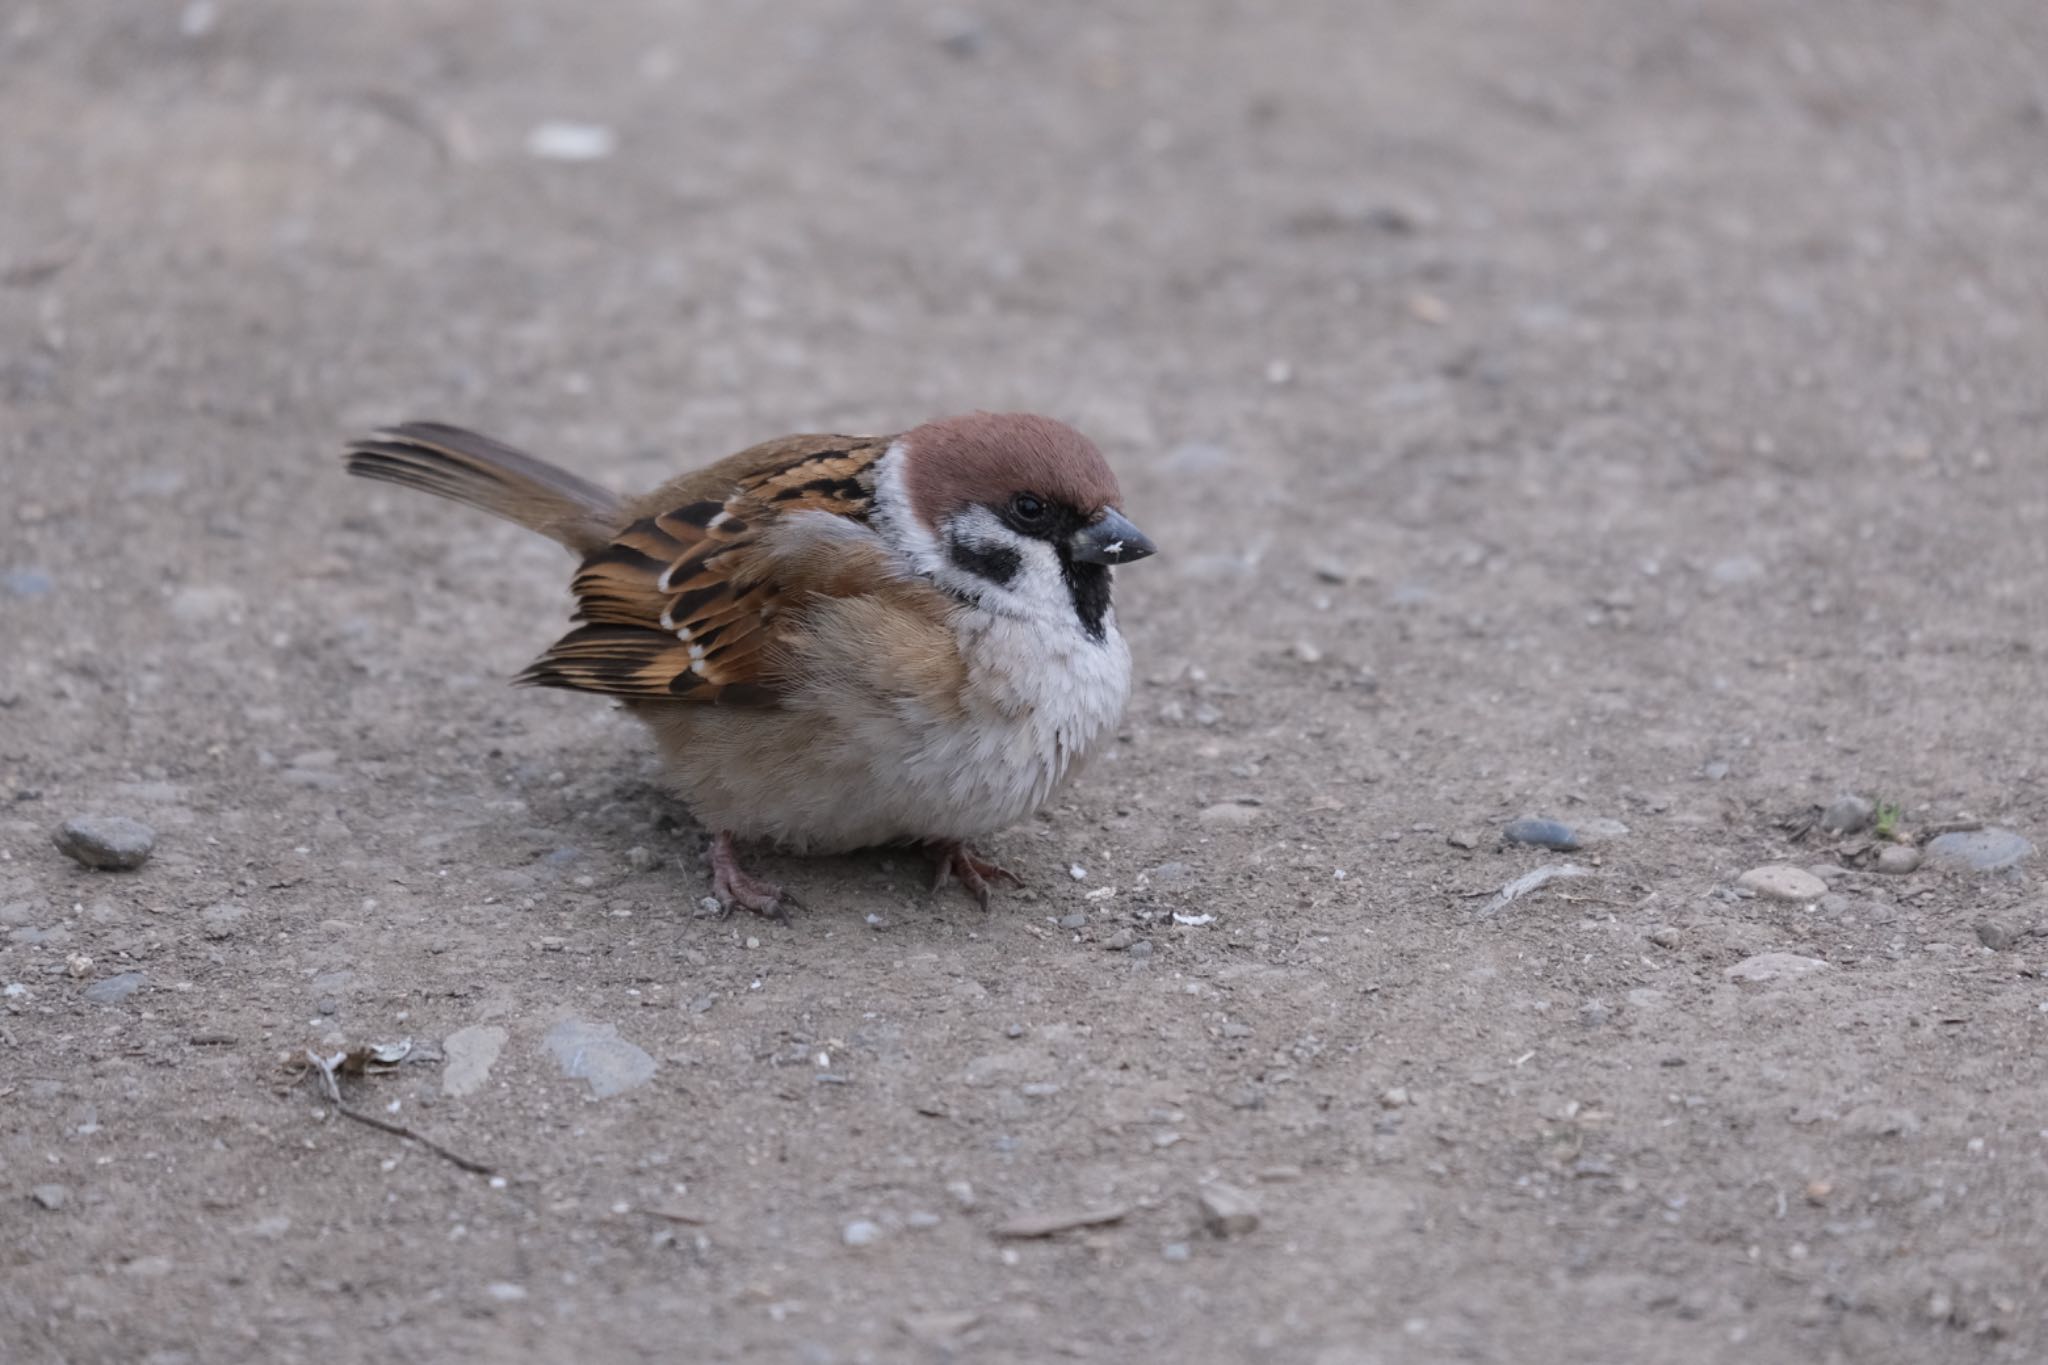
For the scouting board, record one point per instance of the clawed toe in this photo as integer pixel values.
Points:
(954, 860)
(733, 886)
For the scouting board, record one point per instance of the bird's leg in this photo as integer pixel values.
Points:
(951, 858)
(732, 886)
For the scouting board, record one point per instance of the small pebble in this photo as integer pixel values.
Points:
(1120, 940)
(860, 1233)
(1077, 920)
(1775, 967)
(1461, 838)
(51, 1197)
(594, 1052)
(561, 140)
(1848, 815)
(1228, 1211)
(642, 859)
(26, 582)
(1175, 1251)
(1995, 936)
(1783, 883)
(1228, 813)
(112, 843)
(222, 921)
(503, 1291)
(114, 989)
(1394, 1097)
(1593, 833)
(1542, 833)
(1981, 850)
(1664, 936)
(1898, 859)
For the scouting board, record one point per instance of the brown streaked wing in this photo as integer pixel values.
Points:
(686, 603)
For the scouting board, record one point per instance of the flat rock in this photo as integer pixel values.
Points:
(113, 990)
(1897, 859)
(1783, 883)
(1228, 1211)
(1978, 850)
(595, 1053)
(1229, 813)
(1775, 967)
(469, 1053)
(1542, 833)
(51, 1197)
(111, 843)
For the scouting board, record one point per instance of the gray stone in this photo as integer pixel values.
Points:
(1881, 1120)
(1120, 940)
(1775, 967)
(1462, 838)
(1998, 937)
(51, 1197)
(1543, 833)
(112, 843)
(1228, 1211)
(114, 989)
(1664, 936)
(468, 1055)
(1981, 850)
(26, 583)
(860, 1233)
(1168, 874)
(1783, 883)
(595, 1053)
(1848, 815)
(1229, 813)
(1897, 859)
(222, 921)
(1593, 833)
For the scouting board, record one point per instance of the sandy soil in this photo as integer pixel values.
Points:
(1589, 409)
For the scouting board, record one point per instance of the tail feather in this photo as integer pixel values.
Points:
(450, 462)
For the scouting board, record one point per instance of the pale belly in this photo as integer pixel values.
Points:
(837, 771)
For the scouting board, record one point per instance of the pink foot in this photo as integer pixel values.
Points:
(950, 860)
(731, 884)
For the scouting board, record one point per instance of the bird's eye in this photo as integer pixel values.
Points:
(1028, 508)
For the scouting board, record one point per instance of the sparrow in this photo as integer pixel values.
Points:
(838, 642)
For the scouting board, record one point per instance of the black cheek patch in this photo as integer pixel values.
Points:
(996, 563)
(1088, 585)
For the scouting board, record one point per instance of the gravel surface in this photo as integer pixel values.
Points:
(1626, 414)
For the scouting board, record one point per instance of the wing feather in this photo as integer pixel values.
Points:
(695, 600)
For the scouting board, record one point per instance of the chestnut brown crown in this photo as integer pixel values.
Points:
(989, 457)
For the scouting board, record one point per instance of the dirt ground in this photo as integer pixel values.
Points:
(1592, 409)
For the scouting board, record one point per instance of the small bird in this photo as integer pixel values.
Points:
(838, 641)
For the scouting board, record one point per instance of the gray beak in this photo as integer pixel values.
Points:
(1111, 539)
